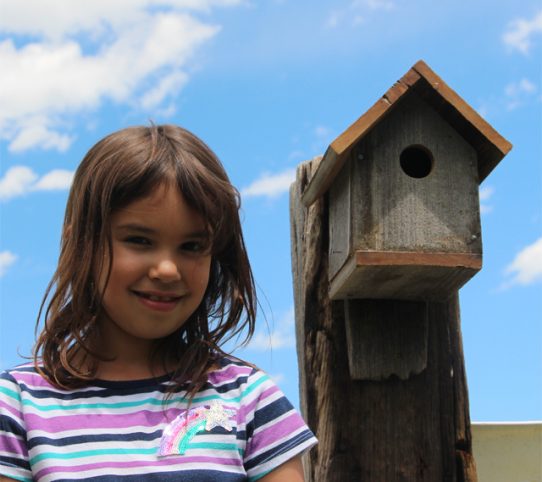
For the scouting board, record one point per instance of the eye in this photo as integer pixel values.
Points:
(138, 241)
(196, 246)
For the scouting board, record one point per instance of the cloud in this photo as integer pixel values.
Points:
(7, 258)
(516, 94)
(270, 185)
(519, 93)
(520, 33)
(72, 57)
(526, 268)
(278, 378)
(485, 194)
(375, 4)
(281, 337)
(54, 180)
(20, 180)
(356, 11)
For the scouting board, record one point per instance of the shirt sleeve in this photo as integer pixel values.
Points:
(275, 431)
(14, 462)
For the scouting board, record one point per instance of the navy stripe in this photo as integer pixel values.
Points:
(279, 449)
(11, 426)
(272, 411)
(188, 476)
(126, 388)
(83, 439)
(14, 462)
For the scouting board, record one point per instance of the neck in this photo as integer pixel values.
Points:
(127, 357)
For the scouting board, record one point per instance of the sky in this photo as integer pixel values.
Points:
(267, 85)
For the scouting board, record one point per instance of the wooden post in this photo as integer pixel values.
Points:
(404, 418)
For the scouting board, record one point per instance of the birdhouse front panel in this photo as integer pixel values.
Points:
(413, 221)
(422, 181)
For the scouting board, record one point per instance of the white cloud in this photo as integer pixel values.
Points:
(375, 4)
(283, 336)
(526, 268)
(35, 133)
(520, 33)
(356, 11)
(485, 194)
(168, 85)
(20, 180)
(82, 54)
(16, 182)
(278, 378)
(54, 180)
(334, 18)
(270, 185)
(7, 258)
(519, 93)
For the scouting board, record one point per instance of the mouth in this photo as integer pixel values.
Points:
(158, 297)
(158, 301)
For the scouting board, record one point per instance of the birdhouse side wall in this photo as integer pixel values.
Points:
(339, 220)
(396, 212)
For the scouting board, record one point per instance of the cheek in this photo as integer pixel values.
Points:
(201, 273)
(122, 270)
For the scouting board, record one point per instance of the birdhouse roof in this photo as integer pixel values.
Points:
(490, 146)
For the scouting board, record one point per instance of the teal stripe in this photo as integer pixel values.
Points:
(147, 401)
(252, 387)
(91, 453)
(100, 452)
(19, 477)
(213, 446)
(11, 393)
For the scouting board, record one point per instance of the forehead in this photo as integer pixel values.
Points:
(164, 206)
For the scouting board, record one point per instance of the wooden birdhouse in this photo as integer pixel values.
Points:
(402, 184)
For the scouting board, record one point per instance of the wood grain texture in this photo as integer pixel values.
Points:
(387, 431)
(386, 338)
(409, 258)
(409, 282)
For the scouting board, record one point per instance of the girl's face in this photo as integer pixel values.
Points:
(160, 270)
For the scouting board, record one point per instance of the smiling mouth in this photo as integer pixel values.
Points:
(159, 298)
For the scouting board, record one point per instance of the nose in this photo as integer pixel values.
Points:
(165, 270)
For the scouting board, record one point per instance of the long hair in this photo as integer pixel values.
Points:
(121, 168)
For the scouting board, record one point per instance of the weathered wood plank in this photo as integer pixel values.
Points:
(411, 258)
(385, 338)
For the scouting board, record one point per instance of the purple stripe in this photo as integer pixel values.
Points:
(251, 407)
(32, 379)
(229, 374)
(14, 446)
(275, 432)
(133, 464)
(10, 409)
(96, 420)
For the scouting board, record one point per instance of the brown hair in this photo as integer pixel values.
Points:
(121, 168)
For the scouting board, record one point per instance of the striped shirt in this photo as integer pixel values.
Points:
(239, 427)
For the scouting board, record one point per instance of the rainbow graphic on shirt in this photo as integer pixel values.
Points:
(177, 435)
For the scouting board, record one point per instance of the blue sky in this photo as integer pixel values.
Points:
(269, 84)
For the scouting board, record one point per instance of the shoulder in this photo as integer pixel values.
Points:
(24, 375)
(231, 373)
(17, 375)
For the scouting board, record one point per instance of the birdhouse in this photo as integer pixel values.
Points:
(402, 184)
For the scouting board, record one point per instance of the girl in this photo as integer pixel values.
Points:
(129, 382)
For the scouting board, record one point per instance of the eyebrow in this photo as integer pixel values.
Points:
(138, 228)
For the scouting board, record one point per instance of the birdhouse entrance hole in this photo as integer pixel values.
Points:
(416, 161)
